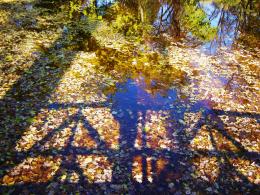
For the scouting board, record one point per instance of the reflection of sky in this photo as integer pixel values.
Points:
(226, 30)
(161, 12)
(104, 2)
(209, 9)
(132, 95)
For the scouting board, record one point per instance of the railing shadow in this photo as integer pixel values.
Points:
(32, 91)
(122, 165)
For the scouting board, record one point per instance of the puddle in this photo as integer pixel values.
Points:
(152, 111)
(133, 94)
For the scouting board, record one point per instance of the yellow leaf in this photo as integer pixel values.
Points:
(7, 180)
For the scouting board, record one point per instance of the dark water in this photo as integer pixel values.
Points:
(224, 17)
(132, 94)
(230, 20)
(133, 99)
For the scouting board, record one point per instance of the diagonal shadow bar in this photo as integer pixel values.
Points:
(57, 106)
(69, 157)
(238, 114)
(26, 102)
(93, 133)
(36, 148)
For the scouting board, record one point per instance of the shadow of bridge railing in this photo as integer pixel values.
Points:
(33, 89)
(122, 159)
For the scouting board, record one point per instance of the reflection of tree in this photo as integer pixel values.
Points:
(132, 63)
(234, 18)
(178, 18)
(183, 17)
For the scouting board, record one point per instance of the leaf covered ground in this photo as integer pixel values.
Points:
(82, 112)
